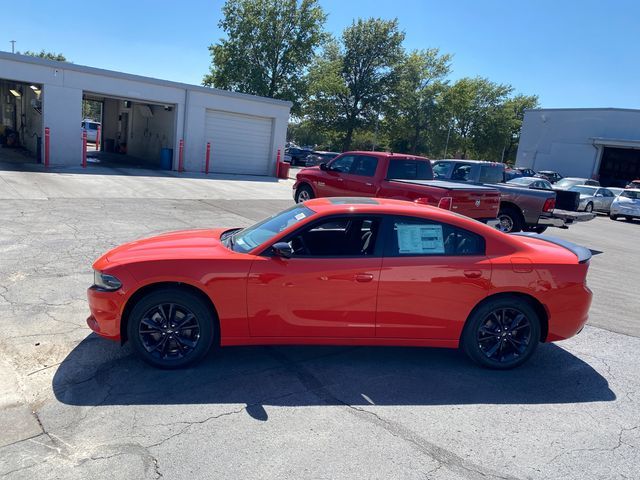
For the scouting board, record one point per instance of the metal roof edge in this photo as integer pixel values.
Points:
(583, 109)
(130, 76)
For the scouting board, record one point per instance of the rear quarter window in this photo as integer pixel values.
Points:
(491, 174)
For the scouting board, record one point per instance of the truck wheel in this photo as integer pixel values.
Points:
(304, 193)
(510, 220)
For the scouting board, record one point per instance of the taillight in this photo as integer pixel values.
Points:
(549, 204)
(445, 202)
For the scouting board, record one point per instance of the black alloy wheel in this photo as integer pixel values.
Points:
(502, 334)
(171, 328)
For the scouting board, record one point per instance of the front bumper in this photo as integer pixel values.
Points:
(105, 312)
(625, 211)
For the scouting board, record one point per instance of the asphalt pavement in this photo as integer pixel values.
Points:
(74, 406)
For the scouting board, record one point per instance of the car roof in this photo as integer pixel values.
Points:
(462, 160)
(385, 154)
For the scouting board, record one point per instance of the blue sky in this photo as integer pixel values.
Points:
(572, 53)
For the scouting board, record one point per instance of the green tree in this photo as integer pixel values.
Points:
(472, 110)
(48, 55)
(412, 107)
(513, 111)
(269, 45)
(351, 81)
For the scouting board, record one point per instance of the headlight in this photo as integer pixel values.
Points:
(106, 282)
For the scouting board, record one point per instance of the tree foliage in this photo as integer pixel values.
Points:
(268, 46)
(48, 55)
(351, 81)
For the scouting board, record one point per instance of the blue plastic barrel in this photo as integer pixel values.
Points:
(166, 158)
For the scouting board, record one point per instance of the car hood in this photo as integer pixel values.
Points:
(186, 244)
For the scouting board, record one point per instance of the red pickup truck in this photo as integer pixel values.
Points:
(392, 175)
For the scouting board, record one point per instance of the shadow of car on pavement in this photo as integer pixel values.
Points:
(98, 372)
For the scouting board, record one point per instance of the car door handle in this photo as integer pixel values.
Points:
(340, 179)
(472, 273)
(369, 184)
(364, 277)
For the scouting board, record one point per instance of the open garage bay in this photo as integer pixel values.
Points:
(76, 406)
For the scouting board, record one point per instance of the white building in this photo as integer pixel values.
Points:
(600, 143)
(142, 118)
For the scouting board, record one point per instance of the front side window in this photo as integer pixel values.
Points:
(337, 237)
(251, 237)
(343, 164)
(408, 236)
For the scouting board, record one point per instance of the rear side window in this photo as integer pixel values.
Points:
(409, 236)
(491, 173)
(365, 166)
(409, 169)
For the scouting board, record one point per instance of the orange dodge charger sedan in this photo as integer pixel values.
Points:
(343, 271)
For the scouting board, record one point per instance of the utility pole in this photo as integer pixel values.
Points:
(446, 145)
(13, 46)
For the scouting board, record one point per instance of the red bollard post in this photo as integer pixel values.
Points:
(181, 156)
(46, 146)
(98, 139)
(84, 149)
(207, 157)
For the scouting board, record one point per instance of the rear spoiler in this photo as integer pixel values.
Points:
(583, 253)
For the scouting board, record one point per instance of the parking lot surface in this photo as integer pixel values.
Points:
(77, 406)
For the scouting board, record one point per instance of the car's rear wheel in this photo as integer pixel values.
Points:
(509, 220)
(589, 207)
(171, 328)
(502, 333)
(304, 193)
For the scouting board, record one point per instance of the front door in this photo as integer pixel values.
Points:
(326, 289)
(432, 275)
(332, 182)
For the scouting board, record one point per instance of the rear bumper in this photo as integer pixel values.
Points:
(569, 312)
(563, 218)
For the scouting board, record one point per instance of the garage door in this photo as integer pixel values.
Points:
(239, 143)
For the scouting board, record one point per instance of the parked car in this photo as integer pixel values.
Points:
(592, 198)
(549, 175)
(520, 208)
(392, 175)
(91, 128)
(568, 182)
(633, 184)
(531, 182)
(316, 158)
(616, 191)
(526, 172)
(626, 205)
(298, 155)
(338, 271)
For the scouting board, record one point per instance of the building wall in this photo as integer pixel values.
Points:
(562, 140)
(64, 84)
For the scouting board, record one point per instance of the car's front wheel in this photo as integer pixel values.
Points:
(613, 217)
(171, 328)
(589, 207)
(502, 333)
(304, 193)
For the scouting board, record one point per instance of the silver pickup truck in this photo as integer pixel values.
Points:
(528, 209)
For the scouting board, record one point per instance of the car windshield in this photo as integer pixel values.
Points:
(250, 237)
(522, 181)
(634, 194)
(568, 182)
(584, 190)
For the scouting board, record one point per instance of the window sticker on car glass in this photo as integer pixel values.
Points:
(420, 239)
(300, 216)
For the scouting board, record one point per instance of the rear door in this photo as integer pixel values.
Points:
(432, 275)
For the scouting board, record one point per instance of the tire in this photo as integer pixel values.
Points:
(304, 193)
(589, 207)
(154, 339)
(485, 340)
(613, 217)
(629, 219)
(510, 220)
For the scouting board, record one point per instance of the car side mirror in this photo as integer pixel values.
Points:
(324, 167)
(282, 249)
(599, 195)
